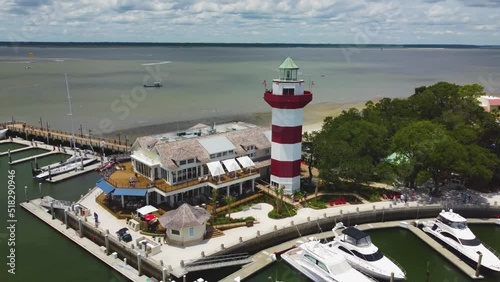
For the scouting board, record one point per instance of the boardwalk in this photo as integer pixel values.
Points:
(24, 130)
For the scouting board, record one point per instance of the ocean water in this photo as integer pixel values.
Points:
(206, 82)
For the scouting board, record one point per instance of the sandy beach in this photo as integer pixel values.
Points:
(314, 114)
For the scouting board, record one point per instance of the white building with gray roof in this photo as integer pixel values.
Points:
(186, 164)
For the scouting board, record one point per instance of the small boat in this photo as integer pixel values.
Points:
(64, 169)
(156, 84)
(356, 246)
(3, 133)
(315, 261)
(451, 229)
(72, 159)
(106, 166)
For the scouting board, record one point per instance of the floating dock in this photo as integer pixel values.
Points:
(33, 206)
(16, 150)
(51, 151)
(263, 258)
(23, 129)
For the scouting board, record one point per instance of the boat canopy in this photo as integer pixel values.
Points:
(356, 237)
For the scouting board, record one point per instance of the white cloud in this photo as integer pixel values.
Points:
(323, 21)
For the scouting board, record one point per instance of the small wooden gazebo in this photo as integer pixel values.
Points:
(186, 225)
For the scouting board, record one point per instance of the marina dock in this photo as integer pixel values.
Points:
(51, 151)
(263, 258)
(33, 206)
(32, 132)
(14, 151)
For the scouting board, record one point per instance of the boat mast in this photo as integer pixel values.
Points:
(70, 114)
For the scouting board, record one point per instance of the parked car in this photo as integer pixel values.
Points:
(124, 235)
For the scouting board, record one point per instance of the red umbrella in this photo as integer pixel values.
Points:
(149, 217)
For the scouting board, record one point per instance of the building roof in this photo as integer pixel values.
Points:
(171, 152)
(147, 142)
(232, 136)
(216, 144)
(288, 64)
(147, 209)
(184, 216)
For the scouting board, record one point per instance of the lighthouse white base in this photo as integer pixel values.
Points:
(292, 185)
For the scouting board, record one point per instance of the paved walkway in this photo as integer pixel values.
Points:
(232, 236)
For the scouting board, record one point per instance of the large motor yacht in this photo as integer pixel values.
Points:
(452, 230)
(319, 264)
(356, 246)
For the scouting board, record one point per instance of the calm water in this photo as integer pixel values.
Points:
(45, 255)
(408, 250)
(209, 82)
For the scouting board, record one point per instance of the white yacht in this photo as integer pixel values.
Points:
(319, 264)
(3, 133)
(451, 229)
(71, 159)
(65, 168)
(356, 246)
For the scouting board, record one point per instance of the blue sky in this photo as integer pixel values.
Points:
(281, 21)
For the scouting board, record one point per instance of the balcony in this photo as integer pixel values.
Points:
(121, 179)
(288, 101)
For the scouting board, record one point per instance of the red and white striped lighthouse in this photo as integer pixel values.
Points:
(288, 99)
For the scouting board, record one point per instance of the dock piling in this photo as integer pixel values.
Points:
(164, 274)
(139, 266)
(36, 163)
(10, 157)
(479, 264)
(40, 189)
(106, 243)
(66, 218)
(392, 277)
(80, 227)
(50, 174)
(26, 193)
(52, 210)
(184, 278)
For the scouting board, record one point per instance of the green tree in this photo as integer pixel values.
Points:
(229, 201)
(279, 192)
(309, 152)
(213, 200)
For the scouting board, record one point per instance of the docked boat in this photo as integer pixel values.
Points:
(451, 229)
(319, 264)
(156, 84)
(3, 133)
(356, 246)
(66, 168)
(72, 159)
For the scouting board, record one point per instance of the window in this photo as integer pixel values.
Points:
(219, 155)
(268, 151)
(450, 236)
(322, 266)
(231, 152)
(212, 156)
(224, 153)
(288, 91)
(190, 161)
(470, 242)
(175, 232)
(191, 231)
(182, 162)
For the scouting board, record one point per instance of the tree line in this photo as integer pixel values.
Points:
(438, 133)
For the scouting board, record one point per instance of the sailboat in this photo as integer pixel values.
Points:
(3, 133)
(76, 163)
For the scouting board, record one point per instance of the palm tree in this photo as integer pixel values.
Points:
(213, 199)
(229, 201)
(278, 191)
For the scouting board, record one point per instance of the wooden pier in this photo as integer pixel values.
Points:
(21, 129)
(33, 206)
(50, 149)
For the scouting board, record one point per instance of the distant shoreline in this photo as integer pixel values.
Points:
(314, 115)
(248, 45)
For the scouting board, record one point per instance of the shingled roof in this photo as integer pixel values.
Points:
(147, 142)
(180, 150)
(184, 216)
